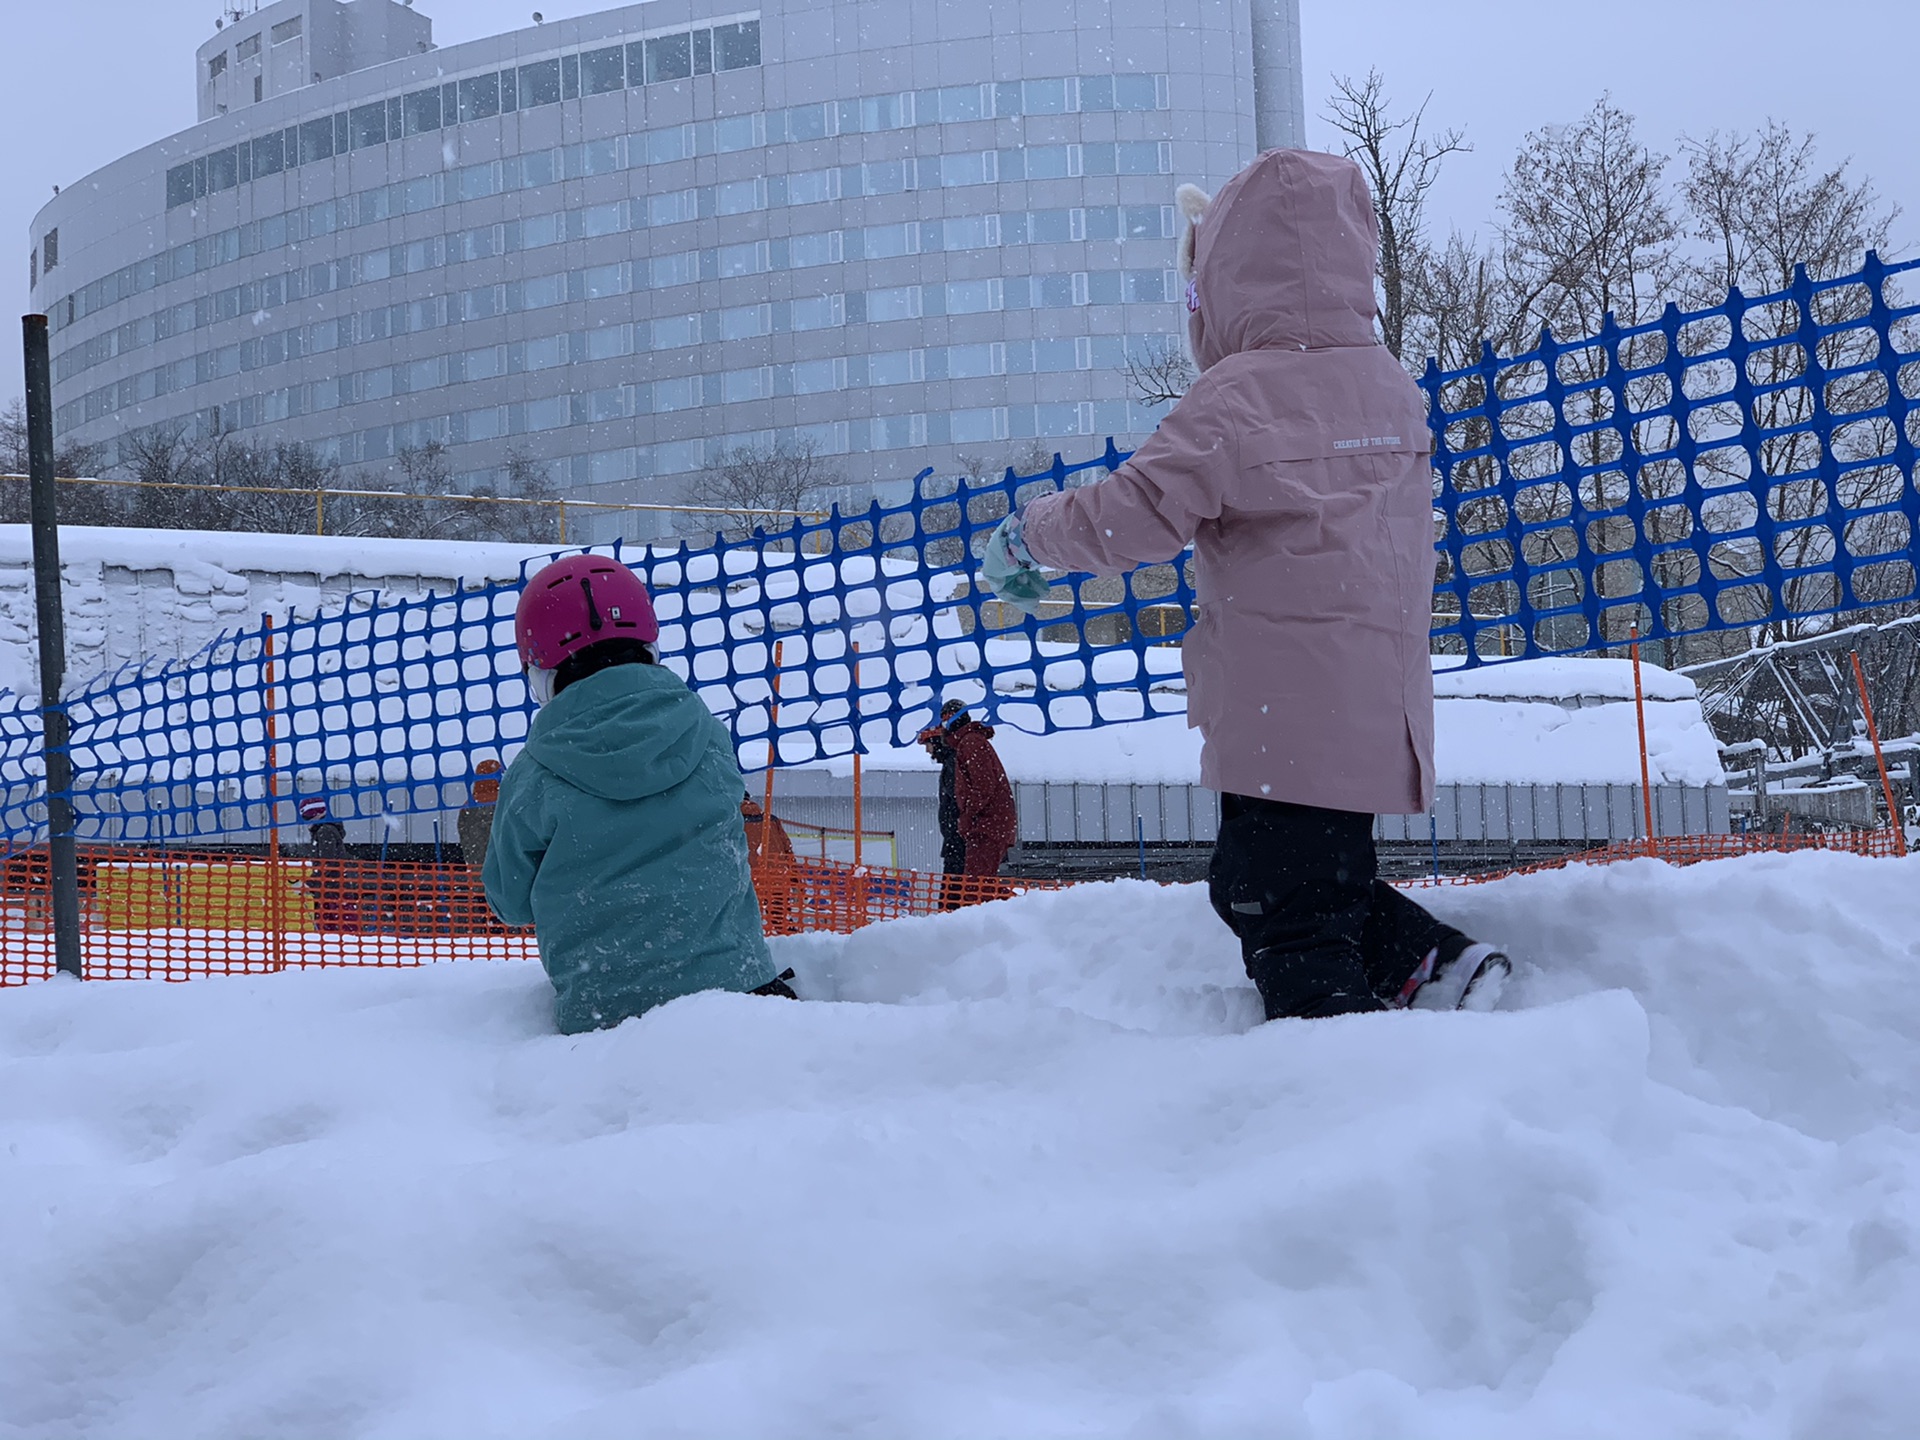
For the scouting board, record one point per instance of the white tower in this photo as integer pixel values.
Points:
(1279, 89)
(266, 50)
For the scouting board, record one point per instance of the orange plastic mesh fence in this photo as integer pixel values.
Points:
(175, 915)
(1691, 850)
(804, 894)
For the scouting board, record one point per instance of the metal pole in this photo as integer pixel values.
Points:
(773, 741)
(859, 816)
(65, 866)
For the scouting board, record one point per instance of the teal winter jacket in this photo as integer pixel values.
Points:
(618, 838)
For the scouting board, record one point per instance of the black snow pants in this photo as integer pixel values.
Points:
(1320, 932)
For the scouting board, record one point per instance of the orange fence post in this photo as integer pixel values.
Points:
(1886, 786)
(1646, 769)
(276, 919)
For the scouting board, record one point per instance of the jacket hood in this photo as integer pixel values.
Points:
(623, 733)
(1284, 259)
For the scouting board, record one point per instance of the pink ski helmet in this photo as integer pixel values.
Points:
(577, 602)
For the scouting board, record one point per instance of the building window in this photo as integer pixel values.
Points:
(540, 84)
(480, 97)
(50, 251)
(223, 170)
(421, 111)
(316, 140)
(259, 83)
(247, 49)
(217, 66)
(602, 71)
(288, 30)
(669, 58)
(368, 125)
(735, 47)
(33, 268)
(269, 153)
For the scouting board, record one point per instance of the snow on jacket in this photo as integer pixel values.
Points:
(987, 820)
(1297, 467)
(618, 838)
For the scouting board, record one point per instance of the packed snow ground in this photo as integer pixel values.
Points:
(1036, 1174)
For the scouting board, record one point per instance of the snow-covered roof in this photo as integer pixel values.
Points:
(1557, 678)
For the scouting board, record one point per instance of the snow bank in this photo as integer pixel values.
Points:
(1035, 1174)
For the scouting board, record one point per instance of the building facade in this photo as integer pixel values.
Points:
(903, 233)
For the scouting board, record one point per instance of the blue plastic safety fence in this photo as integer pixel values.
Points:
(1734, 468)
(1726, 469)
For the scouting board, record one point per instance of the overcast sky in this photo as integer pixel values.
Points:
(97, 78)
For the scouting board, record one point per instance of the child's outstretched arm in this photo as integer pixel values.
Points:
(522, 830)
(1148, 510)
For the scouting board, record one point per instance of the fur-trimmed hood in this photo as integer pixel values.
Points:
(1282, 258)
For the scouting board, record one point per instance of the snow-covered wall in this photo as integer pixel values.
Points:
(140, 594)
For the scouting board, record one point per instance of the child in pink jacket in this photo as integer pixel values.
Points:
(1297, 468)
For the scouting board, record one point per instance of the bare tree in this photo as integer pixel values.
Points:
(79, 504)
(1401, 166)
(1589, 236)
(1589, 230)
(426, 468)
(761, 487)
(1158, 371)
(1764, 206)
(521, 477)
(1764, 209)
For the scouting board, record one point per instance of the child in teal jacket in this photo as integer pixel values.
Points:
(617, 835)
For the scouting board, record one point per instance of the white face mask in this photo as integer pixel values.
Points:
(539, 684)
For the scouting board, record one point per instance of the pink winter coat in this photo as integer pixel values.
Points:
(1297, 467)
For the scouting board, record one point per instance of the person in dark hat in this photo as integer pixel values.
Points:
(953, 845)
(476, 819)
(974, 791)
(334, 910)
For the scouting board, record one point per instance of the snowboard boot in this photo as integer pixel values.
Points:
(778, 987)
(1462, 975)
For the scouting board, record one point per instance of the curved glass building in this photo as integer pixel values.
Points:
(901, 231)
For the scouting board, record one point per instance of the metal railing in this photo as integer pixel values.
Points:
(320, 495)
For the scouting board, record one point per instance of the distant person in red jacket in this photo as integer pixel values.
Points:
(335, 910)
(770, 859)
(987, 819)
(766, 836)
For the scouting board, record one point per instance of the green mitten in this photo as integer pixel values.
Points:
(1009, 572)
